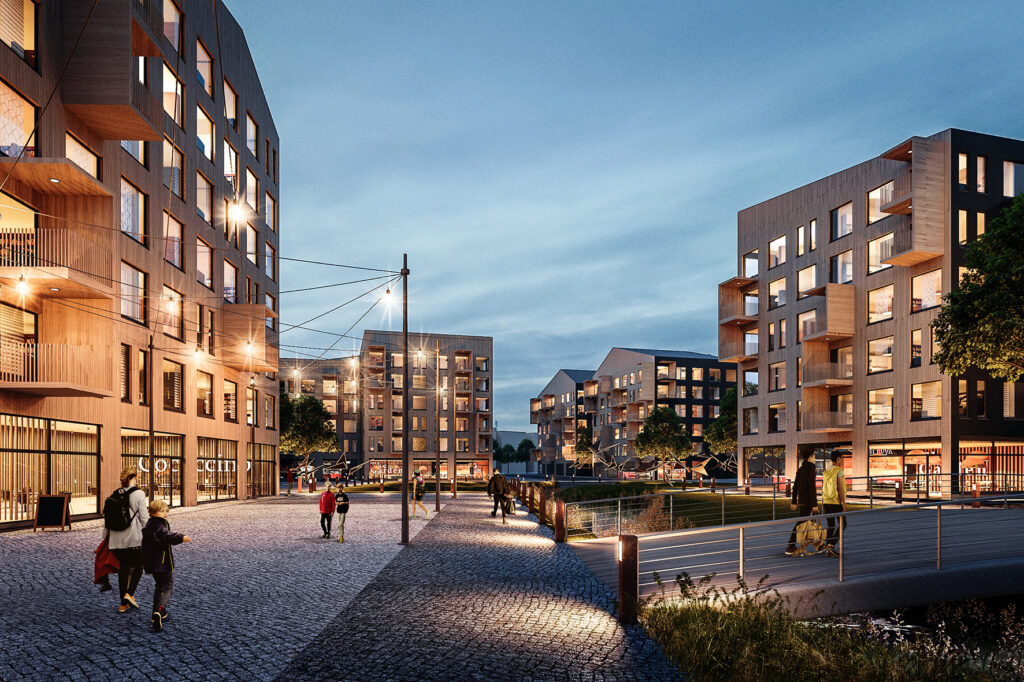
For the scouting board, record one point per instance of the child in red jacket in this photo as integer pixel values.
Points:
(327, 506)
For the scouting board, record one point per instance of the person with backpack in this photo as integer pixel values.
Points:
(341, 506)
(124, 516)
(327, 505)
(158, 561)
(805, 496)
(833, 501)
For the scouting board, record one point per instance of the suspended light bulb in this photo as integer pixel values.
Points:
(248, 347)
(198, 353)
(22, 286)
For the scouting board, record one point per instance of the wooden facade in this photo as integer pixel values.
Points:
(92, 325)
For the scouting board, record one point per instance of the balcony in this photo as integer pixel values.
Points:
(919, 194)
(55, 370)
(834, 319)
(738, 351)
(246, 342)
(53, 176)
(827, 375)
(56, 263)
(827, 422)
(100, 85)
(737, 311)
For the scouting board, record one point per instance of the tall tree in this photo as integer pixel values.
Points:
(664, 437)
(981, 323)
(720, 436)
(526, 446)
(306, 427)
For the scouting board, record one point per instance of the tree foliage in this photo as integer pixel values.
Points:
(524, 449)
(506, 453)
(664, 437)
(306, 426)
(720, 436)
(981, 323)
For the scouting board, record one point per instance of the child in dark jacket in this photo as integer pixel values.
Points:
(157, 559)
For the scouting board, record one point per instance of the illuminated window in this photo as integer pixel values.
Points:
(174, 97)
(915, 347)
(133, 212)
(777, 293)
(230, 282)
(17, 121)
(880, 304)
(81, 155)
(879, 251)
(204, 68)
(204, 198)
(812, 229)
(961, 226)
(133, 293)
(841, 221)
(961, 174)
(841, 268)
(230, 105)
(173, 166)
(204, 133)
(174, 376)
(173, 230)
(806, 280)
(980, 224)
(926, 290)
(880, 406)
(204, 263)
(251, 134)
(204, 394)
(777, 418)
(777, 252)
(172, 24)
(877, 198)
(880, 355)
(980, 180)
(230, 161)
(136, 149)
(777, 376)
(750, 264)
(926, 400)
(170, 313)
(18, 27)
(800, 236)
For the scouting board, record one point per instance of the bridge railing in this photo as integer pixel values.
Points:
(933, 535)
(764, 500)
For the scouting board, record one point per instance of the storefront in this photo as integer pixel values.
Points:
(989, 466)
(217, 469)
(261, 471)
(762, 464)
(392, 468)
(384, 468)
(472, 468)
(45, 457)
(428, 466)
(168, 462)
(910, 465)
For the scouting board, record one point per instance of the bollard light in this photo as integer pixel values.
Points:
(618, 551)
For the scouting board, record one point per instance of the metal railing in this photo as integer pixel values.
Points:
(934, 534)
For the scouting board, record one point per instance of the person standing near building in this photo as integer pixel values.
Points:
(341, 506)
(327, 505)
(497, 487)
(833, 501)
(805, 495)
(419, 489)
(124, 517)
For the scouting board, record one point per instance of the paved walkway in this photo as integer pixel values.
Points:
(260, 595)
(473, 599)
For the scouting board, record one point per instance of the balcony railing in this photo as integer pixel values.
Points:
(738, 311)
(829, 373)
(828, 421)
(55, 248)
(739, 351)
(68, 370)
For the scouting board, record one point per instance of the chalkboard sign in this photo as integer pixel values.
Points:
(52, 512)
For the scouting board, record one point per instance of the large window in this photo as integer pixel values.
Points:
(204, 68)
(777, 376)
(204, 263)
(172, 24)
(173, 167)
(133, 212)
(270, 213)
(877, 198)
(261, 477)
(174, 383)
(133, 293)
(806, 325)
(16, 122)
(173, 230)
(18, 27)
(926, 400)
(806, 280)
(230, 162)
(880, 406)
(777, 252)
(174, 97)
(841, 220)
(77, 152)
(170, 313)
(926, 290)
(168, 451)
(961, 172)
(230, 105)
(251, 135)
(204, 394)
(880, 304)
(270, 261)
(880, 355)
(980, 180)
(777, 418)
(879, 251)
(750, 264)
(777, 293)
(204, 198)
(251, 243)
(840, 268)
(136, 149)
(230, 401)
(204, 133)
(217, 463)
(1013, 178)
(230, 282)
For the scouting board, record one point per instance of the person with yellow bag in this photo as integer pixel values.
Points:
(833, 501)
(808, 536)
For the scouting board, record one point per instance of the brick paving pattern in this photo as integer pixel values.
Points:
(471, 599)
(260, 595)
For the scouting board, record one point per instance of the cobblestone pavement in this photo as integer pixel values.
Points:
(255, 587)
(471, 599)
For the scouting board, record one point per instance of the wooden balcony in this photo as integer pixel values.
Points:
(827, 422)
(56, 370)
(921, 195)
(834, 318)
(828, 375)
(737, 312)
(52, 177)
(738, 351)
(246, 343)
(55, 263)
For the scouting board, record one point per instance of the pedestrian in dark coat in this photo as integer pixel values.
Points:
(157, 559)
(805, 495)
(497, 487)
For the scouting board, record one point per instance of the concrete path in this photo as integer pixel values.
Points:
(473, 599)
(890, 560)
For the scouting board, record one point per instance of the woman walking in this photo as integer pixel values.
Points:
(418, 490)
(124, 516)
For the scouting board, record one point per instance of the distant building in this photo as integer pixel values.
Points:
(451, 396)
(614, 400)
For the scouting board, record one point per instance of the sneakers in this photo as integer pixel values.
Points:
(158, 621)
(131, 601)
(494, 513)
(341, 539)
(124, 608)
(792, 551)
(831, 552)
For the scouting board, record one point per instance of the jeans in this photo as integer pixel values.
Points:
(341, 524)
(131, 570)
(804, 510)
(833, 527)
(162, 591)
(325, 522)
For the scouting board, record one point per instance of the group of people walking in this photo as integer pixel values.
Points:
(137, 538)
(806, 533)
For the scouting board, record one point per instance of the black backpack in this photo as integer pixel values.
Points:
(117, 514)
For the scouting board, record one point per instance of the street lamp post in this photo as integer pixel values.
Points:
(252, 423)
(437, 411)
(405, 399)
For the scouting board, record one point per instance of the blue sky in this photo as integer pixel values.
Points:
(565, 176)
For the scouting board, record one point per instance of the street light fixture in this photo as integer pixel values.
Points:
(405, 397)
